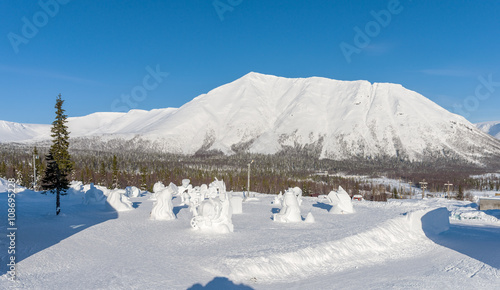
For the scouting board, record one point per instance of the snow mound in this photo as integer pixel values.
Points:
(94, 196)
(132, 191)
(309, 218)
(118, 200)
(393, 239)
(341, 202)
(472, 214)
(163, 207)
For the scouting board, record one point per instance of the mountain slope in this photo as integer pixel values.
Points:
(492, 128)
(266, 114)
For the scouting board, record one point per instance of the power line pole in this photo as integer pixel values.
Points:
(411, 193)
(448, 184)
(423, 185)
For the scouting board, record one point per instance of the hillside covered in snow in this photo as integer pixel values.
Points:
(267, 114)
(492, 128)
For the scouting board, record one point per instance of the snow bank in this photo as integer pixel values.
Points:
(163, 207)
(118, 200)
(393, 239)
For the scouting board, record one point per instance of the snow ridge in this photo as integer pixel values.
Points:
(395, 239)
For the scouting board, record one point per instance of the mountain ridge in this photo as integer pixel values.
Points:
(266, 114)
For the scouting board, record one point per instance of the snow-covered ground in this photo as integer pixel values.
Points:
(381, 245)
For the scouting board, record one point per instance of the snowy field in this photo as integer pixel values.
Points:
(398, 244)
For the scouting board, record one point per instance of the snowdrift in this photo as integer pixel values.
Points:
(395, 238)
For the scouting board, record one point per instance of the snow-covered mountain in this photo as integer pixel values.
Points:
(265, 114)
(492, 128)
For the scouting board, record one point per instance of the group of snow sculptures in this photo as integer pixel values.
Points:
(115, 198)
(212, 207)
(292, 199)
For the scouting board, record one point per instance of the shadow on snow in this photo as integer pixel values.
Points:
(479, 242)
(39, 228)
(220, 283)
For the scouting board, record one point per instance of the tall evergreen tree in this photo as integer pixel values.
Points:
(59, 164)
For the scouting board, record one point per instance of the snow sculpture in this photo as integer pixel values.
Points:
(132, 191)
(236, 203)
(119, 201)
(94, 196)
(290, 212)
(163, 209)
(341, 202)
(298, 194)
(278, 199)
(214, 214)
(159, 186)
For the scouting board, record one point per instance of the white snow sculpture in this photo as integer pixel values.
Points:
(214, 215)
(119, 201)
(278, 199)
(341, 202)
(132, 191)
(163, 209)
(94, 196)
(174, 188)
(298, 194)
(290, 212)
(159, 186)
(204, 191)
(236, 203)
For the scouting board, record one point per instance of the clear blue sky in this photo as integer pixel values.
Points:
(93, 52)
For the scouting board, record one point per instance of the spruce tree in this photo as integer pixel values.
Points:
(59, 164)
(114, 168)
(460, 195)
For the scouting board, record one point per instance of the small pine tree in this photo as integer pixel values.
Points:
(460, 195)
(102, 174)
(144, 185)
(3, 170)
(114, 168)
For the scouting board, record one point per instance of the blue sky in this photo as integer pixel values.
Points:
(165, 53)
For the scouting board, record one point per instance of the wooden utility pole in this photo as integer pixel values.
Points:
(411, 193)
(423, 185)
(448, 184)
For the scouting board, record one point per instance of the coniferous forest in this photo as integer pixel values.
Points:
(269, 173)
